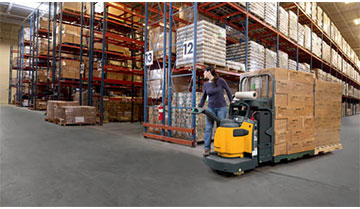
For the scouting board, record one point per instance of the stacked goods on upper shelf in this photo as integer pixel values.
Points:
(233, 52)
(334, 56)
(257, 8)
(256, 55)
(326, 24)
(319, 17)
(42, 76)
(301, 35)
(70, 34)
(326, 52)
(327, 113)
(210, 44)
(292, 64)
(293, 21)
(270, 58)
(240, 67)
(283, 21)
(313, 11)
(316, 44)
(283, 60)
(307, 37)
(156, 41)
(27, 34)
(43, 23)
(302, 5)
(294, 109)
(270, 13)
(308, 8)
(43, 46)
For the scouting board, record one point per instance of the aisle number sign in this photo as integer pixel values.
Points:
(149, 58)
(188, 49)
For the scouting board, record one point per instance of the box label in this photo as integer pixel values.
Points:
(79, 119)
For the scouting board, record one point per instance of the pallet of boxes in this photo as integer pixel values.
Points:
(70, 113)
(307, 112)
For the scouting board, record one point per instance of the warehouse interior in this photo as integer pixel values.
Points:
(100, 104)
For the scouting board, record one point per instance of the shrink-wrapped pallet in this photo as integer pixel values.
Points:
(270, 13)
(334, 55)
(256, 55)
(283, 60)
(293, 21)
(313, 11)
(316, 44)
(270, 58)
(237, 66)
(319, 17)
(326, 52)
(257, 8)
(292, 64)
(308, 8)
(210, 45)
(301, 35)
(283, 21)
(307, 37)
(326, 24)
(155, 83)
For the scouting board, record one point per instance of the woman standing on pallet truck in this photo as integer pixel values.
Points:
(214, 88)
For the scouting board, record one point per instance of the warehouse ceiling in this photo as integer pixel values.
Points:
(14, 14)
(343, 15)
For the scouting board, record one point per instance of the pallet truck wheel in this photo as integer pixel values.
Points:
(239, 173)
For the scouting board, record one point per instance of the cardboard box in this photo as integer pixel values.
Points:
(75, 114)
(52, 104)
(280, 149)
(328, 96)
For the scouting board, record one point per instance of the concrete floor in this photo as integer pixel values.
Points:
(43, 164)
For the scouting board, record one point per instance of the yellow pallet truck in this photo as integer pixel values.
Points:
(245, 139)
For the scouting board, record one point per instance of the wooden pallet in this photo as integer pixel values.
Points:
(327, 148)
(50, 120)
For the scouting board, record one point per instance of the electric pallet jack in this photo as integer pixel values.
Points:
(245, 139)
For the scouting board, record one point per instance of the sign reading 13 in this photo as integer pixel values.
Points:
(149, 58)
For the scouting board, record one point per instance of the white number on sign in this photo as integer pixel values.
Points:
(149, 58)
(188, 49)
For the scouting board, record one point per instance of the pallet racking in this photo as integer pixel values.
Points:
(251, 27)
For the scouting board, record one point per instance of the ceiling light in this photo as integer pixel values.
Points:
(357, 21)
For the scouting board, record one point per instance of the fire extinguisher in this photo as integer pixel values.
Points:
(161, 113)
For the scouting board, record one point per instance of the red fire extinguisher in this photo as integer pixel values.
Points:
(161, 113)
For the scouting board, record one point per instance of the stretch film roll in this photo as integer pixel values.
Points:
(246, 95)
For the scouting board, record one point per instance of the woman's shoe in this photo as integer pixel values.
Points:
(206, 153)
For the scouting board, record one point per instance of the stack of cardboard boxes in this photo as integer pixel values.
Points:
(283, 21)
(327, 113)
(52, 104)
(67, 115)
(294, 110)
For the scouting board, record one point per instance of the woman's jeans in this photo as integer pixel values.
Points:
(221, 112)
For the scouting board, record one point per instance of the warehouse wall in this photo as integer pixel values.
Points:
(4, 70)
